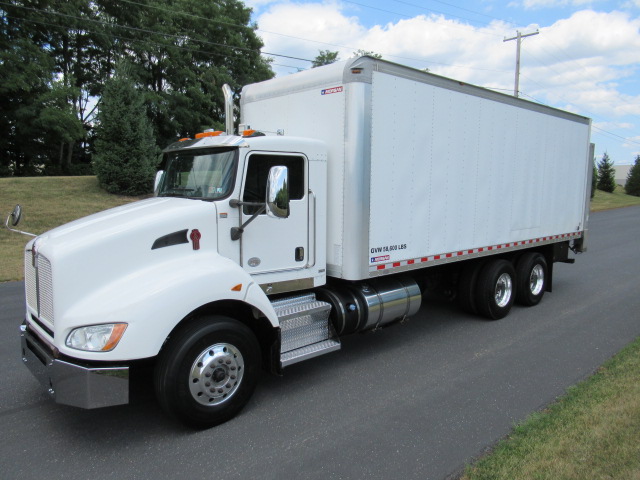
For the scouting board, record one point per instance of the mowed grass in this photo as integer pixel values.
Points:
(47, 202)
(591, 433)
(617, 199)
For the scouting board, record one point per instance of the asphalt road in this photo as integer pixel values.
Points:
(413, 401)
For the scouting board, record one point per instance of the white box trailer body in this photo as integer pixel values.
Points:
(370, 184)
(424, 169)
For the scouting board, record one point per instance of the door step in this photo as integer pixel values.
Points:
(305, 329)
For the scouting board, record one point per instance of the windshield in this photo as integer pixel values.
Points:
(205, 174)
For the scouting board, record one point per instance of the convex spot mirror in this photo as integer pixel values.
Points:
(16, 215)
(278, 192)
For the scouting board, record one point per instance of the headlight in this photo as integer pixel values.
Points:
(96, 338)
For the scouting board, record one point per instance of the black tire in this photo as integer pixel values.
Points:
(207, 371)
(467, 287)
(531, 278)
(495, 291)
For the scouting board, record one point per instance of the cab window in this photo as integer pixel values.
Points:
(255, 187)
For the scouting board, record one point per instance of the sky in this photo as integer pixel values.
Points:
(585, 59)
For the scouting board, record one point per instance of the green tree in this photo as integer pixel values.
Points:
(183, 53)
(361, 53)
(606, 174)
(126, 151)
(58, 54)
(34, 113)
(632, 186)
(324, 57)
(594, 180)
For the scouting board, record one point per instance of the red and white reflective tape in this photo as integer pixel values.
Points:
(462, 253)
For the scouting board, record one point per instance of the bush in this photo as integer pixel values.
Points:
(126, 151)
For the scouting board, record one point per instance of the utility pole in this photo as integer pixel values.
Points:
(519, 36)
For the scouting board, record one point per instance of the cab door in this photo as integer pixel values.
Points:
(275, 244)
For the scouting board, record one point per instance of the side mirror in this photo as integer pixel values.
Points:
(16, 215)
(14, 218)
(278, 192)
(158, 179)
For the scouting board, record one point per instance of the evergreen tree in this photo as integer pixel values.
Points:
(325, 57)
(606, 174)
(594, 180)
(126, 151)
(633, 179)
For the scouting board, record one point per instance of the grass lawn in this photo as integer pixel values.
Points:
(47, 202)
(607, 201)
(593, 432)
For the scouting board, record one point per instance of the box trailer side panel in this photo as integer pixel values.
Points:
(454, 173)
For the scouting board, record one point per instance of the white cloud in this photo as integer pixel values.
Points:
(587, 63)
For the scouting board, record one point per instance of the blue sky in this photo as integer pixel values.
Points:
(586, 58)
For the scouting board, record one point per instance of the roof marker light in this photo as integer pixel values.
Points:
(209, 134)
(237, 288)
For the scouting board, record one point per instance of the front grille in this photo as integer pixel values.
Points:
(45, 288)
(30, 281)
(39, 286)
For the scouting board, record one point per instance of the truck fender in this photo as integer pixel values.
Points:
(156, 299)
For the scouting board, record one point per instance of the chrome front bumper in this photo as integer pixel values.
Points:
(71, 384)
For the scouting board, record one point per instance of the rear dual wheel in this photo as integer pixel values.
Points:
(495, 289)
(490, 288)
(531, 274)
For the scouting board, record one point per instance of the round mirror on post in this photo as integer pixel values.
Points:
(16, 215)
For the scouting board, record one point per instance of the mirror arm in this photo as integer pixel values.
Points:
(233, 203)
(236, 232)
(6, 224)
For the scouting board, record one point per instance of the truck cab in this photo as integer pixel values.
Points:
(233, 219)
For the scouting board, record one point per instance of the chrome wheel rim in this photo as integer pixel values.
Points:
(216, 374)
(536, 279)
(504, 287)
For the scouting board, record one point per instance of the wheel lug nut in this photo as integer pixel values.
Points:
(233, 377)
(221, 361)
(228, 385)
(207, 374)
(228, 362)
(208, 384)
(220, 390)
(233, 368)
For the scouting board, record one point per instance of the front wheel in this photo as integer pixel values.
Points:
(207, 371)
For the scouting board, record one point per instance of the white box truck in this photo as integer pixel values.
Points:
(349, 191)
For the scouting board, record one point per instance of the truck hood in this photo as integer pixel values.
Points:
(100, 249)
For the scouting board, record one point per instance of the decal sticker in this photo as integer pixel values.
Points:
(389, 248)
(380, 259)
(329, 91)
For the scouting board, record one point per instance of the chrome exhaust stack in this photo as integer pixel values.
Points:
(228, 108)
